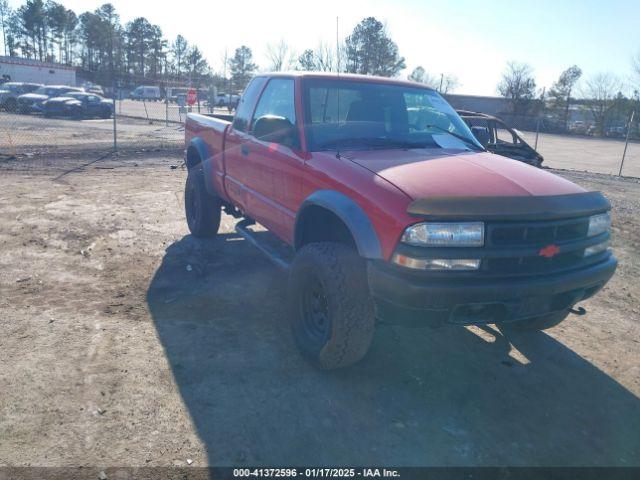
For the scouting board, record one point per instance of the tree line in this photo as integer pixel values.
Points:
(105, 49)
(96, 42)
(599, 98)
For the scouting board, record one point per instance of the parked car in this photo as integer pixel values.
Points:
(32, 102)
(146, 92)
(579, 127)
(79, 105)
(95, 89)
(227, 100)
(173, 93)
(499, 138)
(10, 91)
(389, 219)
(616, 132)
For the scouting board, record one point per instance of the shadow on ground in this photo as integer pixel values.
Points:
(420, 397)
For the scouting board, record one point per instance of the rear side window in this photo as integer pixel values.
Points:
(247, 102)
(277, 99)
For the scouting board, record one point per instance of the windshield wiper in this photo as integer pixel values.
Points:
(371, 142)
(458, 136)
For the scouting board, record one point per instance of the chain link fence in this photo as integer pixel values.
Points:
(154, 120)
(581, 144)
(596, 137)
(34, 133)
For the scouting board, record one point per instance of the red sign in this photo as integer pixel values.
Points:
(549, 251)
(191, 96)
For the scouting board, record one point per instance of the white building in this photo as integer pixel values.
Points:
(18, 69)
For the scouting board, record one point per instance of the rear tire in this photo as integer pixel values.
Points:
(201, 209)
(534, 324)
(332, 310)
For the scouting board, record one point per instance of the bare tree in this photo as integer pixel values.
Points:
(281, 56)
(420, 75)
(448, 83)
(445, 83)
(322, 59)
(518, 85)
(600, 92)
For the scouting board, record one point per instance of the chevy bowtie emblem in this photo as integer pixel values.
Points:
(549, 251)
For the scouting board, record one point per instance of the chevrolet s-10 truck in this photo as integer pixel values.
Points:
(392, 210)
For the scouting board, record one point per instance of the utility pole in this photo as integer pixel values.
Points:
(544, 89)
(626, 142)
(441, 79)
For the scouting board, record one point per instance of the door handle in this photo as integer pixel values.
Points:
(244, 149)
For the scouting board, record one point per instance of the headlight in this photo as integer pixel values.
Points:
(469, 234)
(436, 263)
(599, 224)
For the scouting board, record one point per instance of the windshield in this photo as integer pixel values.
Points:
(358, 114)
(49, 91)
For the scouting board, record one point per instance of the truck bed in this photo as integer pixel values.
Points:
(210, 131)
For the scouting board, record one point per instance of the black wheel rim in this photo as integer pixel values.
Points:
(315, 309)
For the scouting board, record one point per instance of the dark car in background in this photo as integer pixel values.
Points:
(10, 91)
(499, 138)
(78, 105)
(32, 102)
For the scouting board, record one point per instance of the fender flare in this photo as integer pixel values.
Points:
(205, 158)
(351, 214)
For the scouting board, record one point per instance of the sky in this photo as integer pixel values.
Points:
(472, 40)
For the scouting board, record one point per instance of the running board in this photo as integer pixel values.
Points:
(271, 252)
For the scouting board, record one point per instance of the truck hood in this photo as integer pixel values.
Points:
(427, 172)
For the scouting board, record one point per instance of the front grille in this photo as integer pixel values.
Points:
(538, 232)
(534, 265)
(514, 248)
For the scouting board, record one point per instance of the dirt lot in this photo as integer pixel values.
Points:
(126, 342)
(29, 135)
(592, 154)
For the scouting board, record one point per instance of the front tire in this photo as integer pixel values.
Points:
(535, 324)
(332, 309)
(201, 209)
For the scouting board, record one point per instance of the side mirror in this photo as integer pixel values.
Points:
(481, 134)
(272, 128)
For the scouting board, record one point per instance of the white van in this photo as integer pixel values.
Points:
(146, 92)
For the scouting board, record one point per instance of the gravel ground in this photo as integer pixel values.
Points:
(126, 342)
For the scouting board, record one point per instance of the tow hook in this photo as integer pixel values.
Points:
(579, 311)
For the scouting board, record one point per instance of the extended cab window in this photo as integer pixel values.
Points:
(247, 103)
(277, 99)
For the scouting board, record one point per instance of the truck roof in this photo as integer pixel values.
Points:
(344, 76)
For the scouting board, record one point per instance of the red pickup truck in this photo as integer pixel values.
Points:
(393, 211)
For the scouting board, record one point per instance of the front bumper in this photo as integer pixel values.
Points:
(407, 298)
